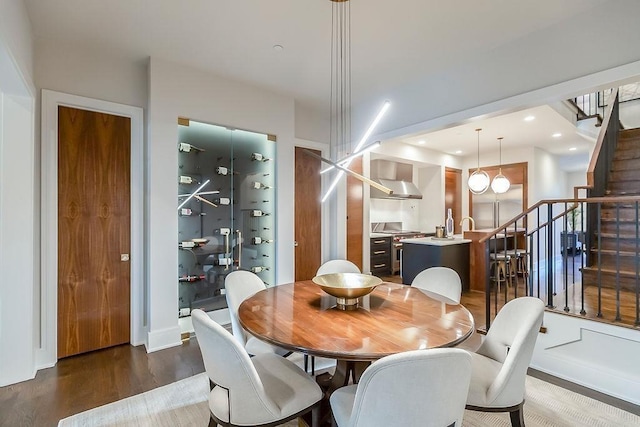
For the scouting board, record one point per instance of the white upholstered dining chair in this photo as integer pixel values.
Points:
(441, 283)
(240, 285)
(426, 388)
(266, 390)
(500, 364)
(337, 266)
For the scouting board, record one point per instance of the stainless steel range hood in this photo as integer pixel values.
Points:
(401, 190)
(396, 176)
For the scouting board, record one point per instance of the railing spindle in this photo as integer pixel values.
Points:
(565, 260)
(599, 249)
(549, 257)
(618, 318)
(582, 255)
(637, 266)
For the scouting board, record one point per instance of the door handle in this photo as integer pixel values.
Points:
(295, 244)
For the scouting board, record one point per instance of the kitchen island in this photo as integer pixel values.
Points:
(422, 253)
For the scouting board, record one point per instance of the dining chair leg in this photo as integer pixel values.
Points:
(315, 416)
(517, 416)
(306, 363)
(313, 365)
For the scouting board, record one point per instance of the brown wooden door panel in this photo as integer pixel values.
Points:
(307, 214)
(93, 230)
(355, 214)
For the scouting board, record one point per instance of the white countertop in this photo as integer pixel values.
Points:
(456, 240)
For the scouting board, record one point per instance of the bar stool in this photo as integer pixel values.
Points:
(515, 256)
(500, 266)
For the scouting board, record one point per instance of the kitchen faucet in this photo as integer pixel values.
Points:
(472, 223)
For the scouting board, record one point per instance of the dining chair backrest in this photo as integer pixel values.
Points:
(441, 283)
(415, 388)
(230, 369)
(337, 266)
(240, 285)
(511, 340)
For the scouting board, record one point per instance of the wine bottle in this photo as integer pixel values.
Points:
(223, 261)
(259, 240)
(193, 278)
(257, 212)
(221, 170)
(259, 269)
(184, 179)
(449, 224)
(222, 201)
(258, 185)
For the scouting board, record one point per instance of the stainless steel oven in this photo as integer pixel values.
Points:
(396, 248)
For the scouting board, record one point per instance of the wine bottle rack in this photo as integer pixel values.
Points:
(218, 227)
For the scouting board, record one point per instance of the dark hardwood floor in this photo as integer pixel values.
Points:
(85, 381)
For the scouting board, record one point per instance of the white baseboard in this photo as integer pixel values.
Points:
(163, 338)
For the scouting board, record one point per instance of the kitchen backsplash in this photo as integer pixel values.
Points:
(406, 211)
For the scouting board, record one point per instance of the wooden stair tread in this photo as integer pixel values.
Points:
(610, 272)
(614, 252)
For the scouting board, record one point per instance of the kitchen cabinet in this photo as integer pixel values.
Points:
(226, 218)
(422, 253)
(380, 255)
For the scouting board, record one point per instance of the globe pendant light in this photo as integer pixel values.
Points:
(500, 183)
(479, 180)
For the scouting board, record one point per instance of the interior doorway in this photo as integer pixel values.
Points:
(94, 221)
(308, 216)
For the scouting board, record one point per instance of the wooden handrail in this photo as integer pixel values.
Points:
(560, 215)
(608, 199)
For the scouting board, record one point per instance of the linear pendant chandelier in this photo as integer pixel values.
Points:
(340, 111)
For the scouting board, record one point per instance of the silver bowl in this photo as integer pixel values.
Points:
(347, 287)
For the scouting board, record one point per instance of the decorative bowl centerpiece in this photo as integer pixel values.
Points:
(347, 287)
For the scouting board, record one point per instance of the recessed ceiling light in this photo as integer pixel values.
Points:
(459, 152)
(529, 118)
(557, 135)
(572, 149)
(278, 47)
(422, 142)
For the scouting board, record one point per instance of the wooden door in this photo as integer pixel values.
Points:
(354, 214)
(93, 230)
(453, 196)
(308, 250)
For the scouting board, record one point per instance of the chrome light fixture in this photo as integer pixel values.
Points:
(500, 183)
(479, 180)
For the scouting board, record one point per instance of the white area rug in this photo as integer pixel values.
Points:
(184, 404)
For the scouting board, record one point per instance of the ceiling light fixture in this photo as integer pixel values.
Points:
(529, 118)
(422, 142)
(557, 135)
(479, 180)
(340, 110)
(572, 149)
(500, 183)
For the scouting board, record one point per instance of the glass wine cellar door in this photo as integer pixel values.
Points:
(226, 202)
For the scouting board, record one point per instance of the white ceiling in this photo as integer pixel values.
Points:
(393, 43)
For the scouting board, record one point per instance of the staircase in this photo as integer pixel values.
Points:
(614, 249)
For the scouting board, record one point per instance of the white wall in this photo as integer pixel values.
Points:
(91, 73)
(18, 194)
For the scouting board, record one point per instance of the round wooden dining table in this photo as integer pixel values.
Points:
(393, 318)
